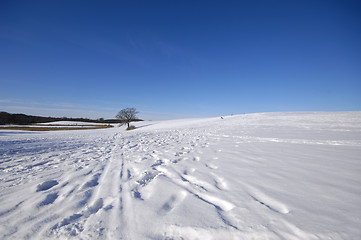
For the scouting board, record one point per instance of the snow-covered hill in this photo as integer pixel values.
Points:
(254, 176)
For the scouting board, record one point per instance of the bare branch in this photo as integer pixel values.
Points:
(127, 115)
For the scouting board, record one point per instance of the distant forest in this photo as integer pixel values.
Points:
(23, 119)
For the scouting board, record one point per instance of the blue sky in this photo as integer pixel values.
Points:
(177, 59)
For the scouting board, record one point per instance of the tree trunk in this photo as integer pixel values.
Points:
(128, 124)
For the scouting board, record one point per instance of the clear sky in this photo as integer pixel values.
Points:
(177, 59)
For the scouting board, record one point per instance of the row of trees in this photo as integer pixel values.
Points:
(22, 119)
(125, 116)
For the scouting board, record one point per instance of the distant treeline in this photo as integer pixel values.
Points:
(23, 119)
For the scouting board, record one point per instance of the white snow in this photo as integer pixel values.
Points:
(254, 176)
(68, 123)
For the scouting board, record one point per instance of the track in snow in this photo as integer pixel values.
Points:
(217, 180)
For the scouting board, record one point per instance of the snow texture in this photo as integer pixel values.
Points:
(254, 176)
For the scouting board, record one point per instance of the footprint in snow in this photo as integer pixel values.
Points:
(220, 183)
(136, 194)
(96, 206)
(188, 171)
(211, 166)
(86, 197)
(74, 224)
(93, 182)
(218, 203)
(157, 163)
(46, 185)
(267, 201)
(148, 177)
(50, 198)
(172, 202)
(196, 159)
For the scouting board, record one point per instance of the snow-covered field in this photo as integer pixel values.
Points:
(254, 176)
(68, 123)
(56, 125)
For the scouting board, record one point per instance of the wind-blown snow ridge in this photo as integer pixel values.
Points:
(255, 176)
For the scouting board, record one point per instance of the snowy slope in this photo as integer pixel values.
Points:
(254, 176)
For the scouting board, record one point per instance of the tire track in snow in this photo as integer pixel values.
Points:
(128, 227)
(108, 192)
(95, 194)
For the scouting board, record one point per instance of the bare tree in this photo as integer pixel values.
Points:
(127, 115)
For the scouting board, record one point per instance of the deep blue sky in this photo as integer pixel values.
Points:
(175, 59)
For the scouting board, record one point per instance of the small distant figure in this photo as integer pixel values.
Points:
(221, 117)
